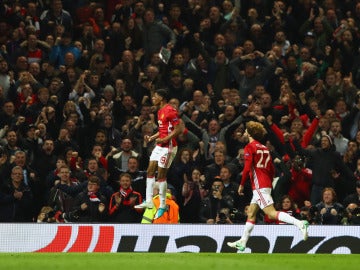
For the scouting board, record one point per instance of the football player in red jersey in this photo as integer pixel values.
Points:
(259, 168)
(170, 126)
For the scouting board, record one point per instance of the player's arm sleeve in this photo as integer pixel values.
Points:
(247, 167)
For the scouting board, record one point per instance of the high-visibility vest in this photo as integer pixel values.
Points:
(171, 216)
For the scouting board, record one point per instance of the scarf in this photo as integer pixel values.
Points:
(125, 194)
(93, 197)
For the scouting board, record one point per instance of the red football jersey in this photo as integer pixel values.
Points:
(258, 166)
(168, 118)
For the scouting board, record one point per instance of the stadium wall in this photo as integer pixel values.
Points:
(174, 238)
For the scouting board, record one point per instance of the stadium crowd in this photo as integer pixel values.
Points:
(76, 81)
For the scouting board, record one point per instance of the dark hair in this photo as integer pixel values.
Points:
(125, 174)
(164, 93)
(94, 179)
(133, 157)
(293, 206)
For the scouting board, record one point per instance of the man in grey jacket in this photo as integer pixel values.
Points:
(155, 35)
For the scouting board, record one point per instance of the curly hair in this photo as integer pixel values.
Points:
(255, 130)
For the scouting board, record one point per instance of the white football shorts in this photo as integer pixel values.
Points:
(163, 155)
(262, 197)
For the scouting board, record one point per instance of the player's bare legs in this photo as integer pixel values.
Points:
(162, 172)
(285, 217)
(271, 212)
(150, 181)
(249, 226)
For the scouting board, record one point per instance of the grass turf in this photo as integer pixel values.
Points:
(170, 261)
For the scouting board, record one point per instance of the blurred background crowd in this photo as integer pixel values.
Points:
(76, 80)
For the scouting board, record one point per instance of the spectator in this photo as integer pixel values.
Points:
(247, 80)
(352, 215)
(98, 22)
(340, 142)
(137, 134)
(62, 46)
(133, 35)
(89, 205)
(123, 110)
(8, 115)
(99, 51)
(16, 199)
(231, 188)
(30, 178)
(48, 215)
(138, 176)
(90, 168)
(320, 27)
(176, 85)
(62, 194)
(286, 205)
(97, 153)
(199, 69)
(12, 142)
(328, 209)
(321, 159)
(114, 42)
(33, 111)
(351, 155)
(213, 170)
(32, 16)
(126, 69)
(212, 204)
(64, 141)
(105, 185)
(29, 141)
(113, 135)
(155, 35)
(28, 87)
(120, 159)
(82, 92)
(45, 159)
(6, 76)
(353, 197)
(54, 16)
(183, 164)
(54, 174)
(35, 50)
(87, 38)
(120, 12)
(193, 192)
(300, 183)
(121, 208)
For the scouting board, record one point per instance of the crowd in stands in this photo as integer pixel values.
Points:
(76, 81)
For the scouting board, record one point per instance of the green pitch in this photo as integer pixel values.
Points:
(170, 261)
